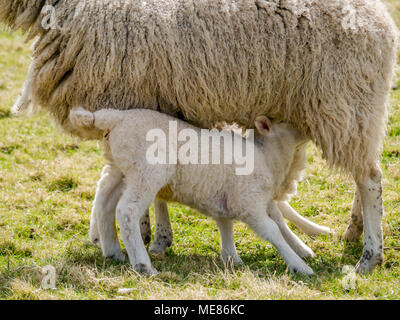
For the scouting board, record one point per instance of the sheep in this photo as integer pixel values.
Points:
(324, 67)
(110, 189)
(214, 190)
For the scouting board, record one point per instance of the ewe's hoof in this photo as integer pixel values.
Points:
(145, 270)
(352, 235)
(368, 262)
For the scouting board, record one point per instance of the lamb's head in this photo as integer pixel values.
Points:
(282, 145)
(267, 130)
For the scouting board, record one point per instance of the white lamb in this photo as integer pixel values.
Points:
(214, 190)
(110, 188)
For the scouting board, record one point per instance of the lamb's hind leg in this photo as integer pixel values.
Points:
(109, 190)
(102, 224)
(228, 248)
(267, 229)
(302, 223)
(136, 199)
(371, 196)
(355, 228)
(130, 210)
(296, 244)
(163, 235)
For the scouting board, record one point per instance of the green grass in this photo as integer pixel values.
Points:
(47, 184)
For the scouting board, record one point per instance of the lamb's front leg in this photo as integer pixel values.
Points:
(268, 230)
(228, 248)
(297, 245)
(302, 223)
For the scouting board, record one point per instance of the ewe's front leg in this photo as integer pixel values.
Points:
(372, 207)
(355, 228)
(228, 248)
(302, 223)
(163, 235)
(297, 245)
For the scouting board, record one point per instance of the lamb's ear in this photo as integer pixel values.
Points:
(263, 125)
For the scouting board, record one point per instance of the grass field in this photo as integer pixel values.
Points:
(47, 184)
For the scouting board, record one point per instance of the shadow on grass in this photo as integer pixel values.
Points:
(264, 264)
(81, 263)
(5, 114)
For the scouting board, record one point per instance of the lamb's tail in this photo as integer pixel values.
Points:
(103, 119)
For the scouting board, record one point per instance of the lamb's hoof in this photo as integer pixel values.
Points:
(322, 230)
(119, 256)
(352, 235)
(305, 252)
(94, 236)
(114, 251)
(94, 241)
(231, 260)
(301, 269)
(368, 262)
(145, 270)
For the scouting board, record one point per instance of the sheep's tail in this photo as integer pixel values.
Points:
(104, 119)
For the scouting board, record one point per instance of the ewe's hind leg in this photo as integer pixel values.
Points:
(163, 235)
(355, 228)
(24, 100)
(108, 193)
(302, 223)
(267, 229)
(371, 196)
(228, 249)
(297, 245)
